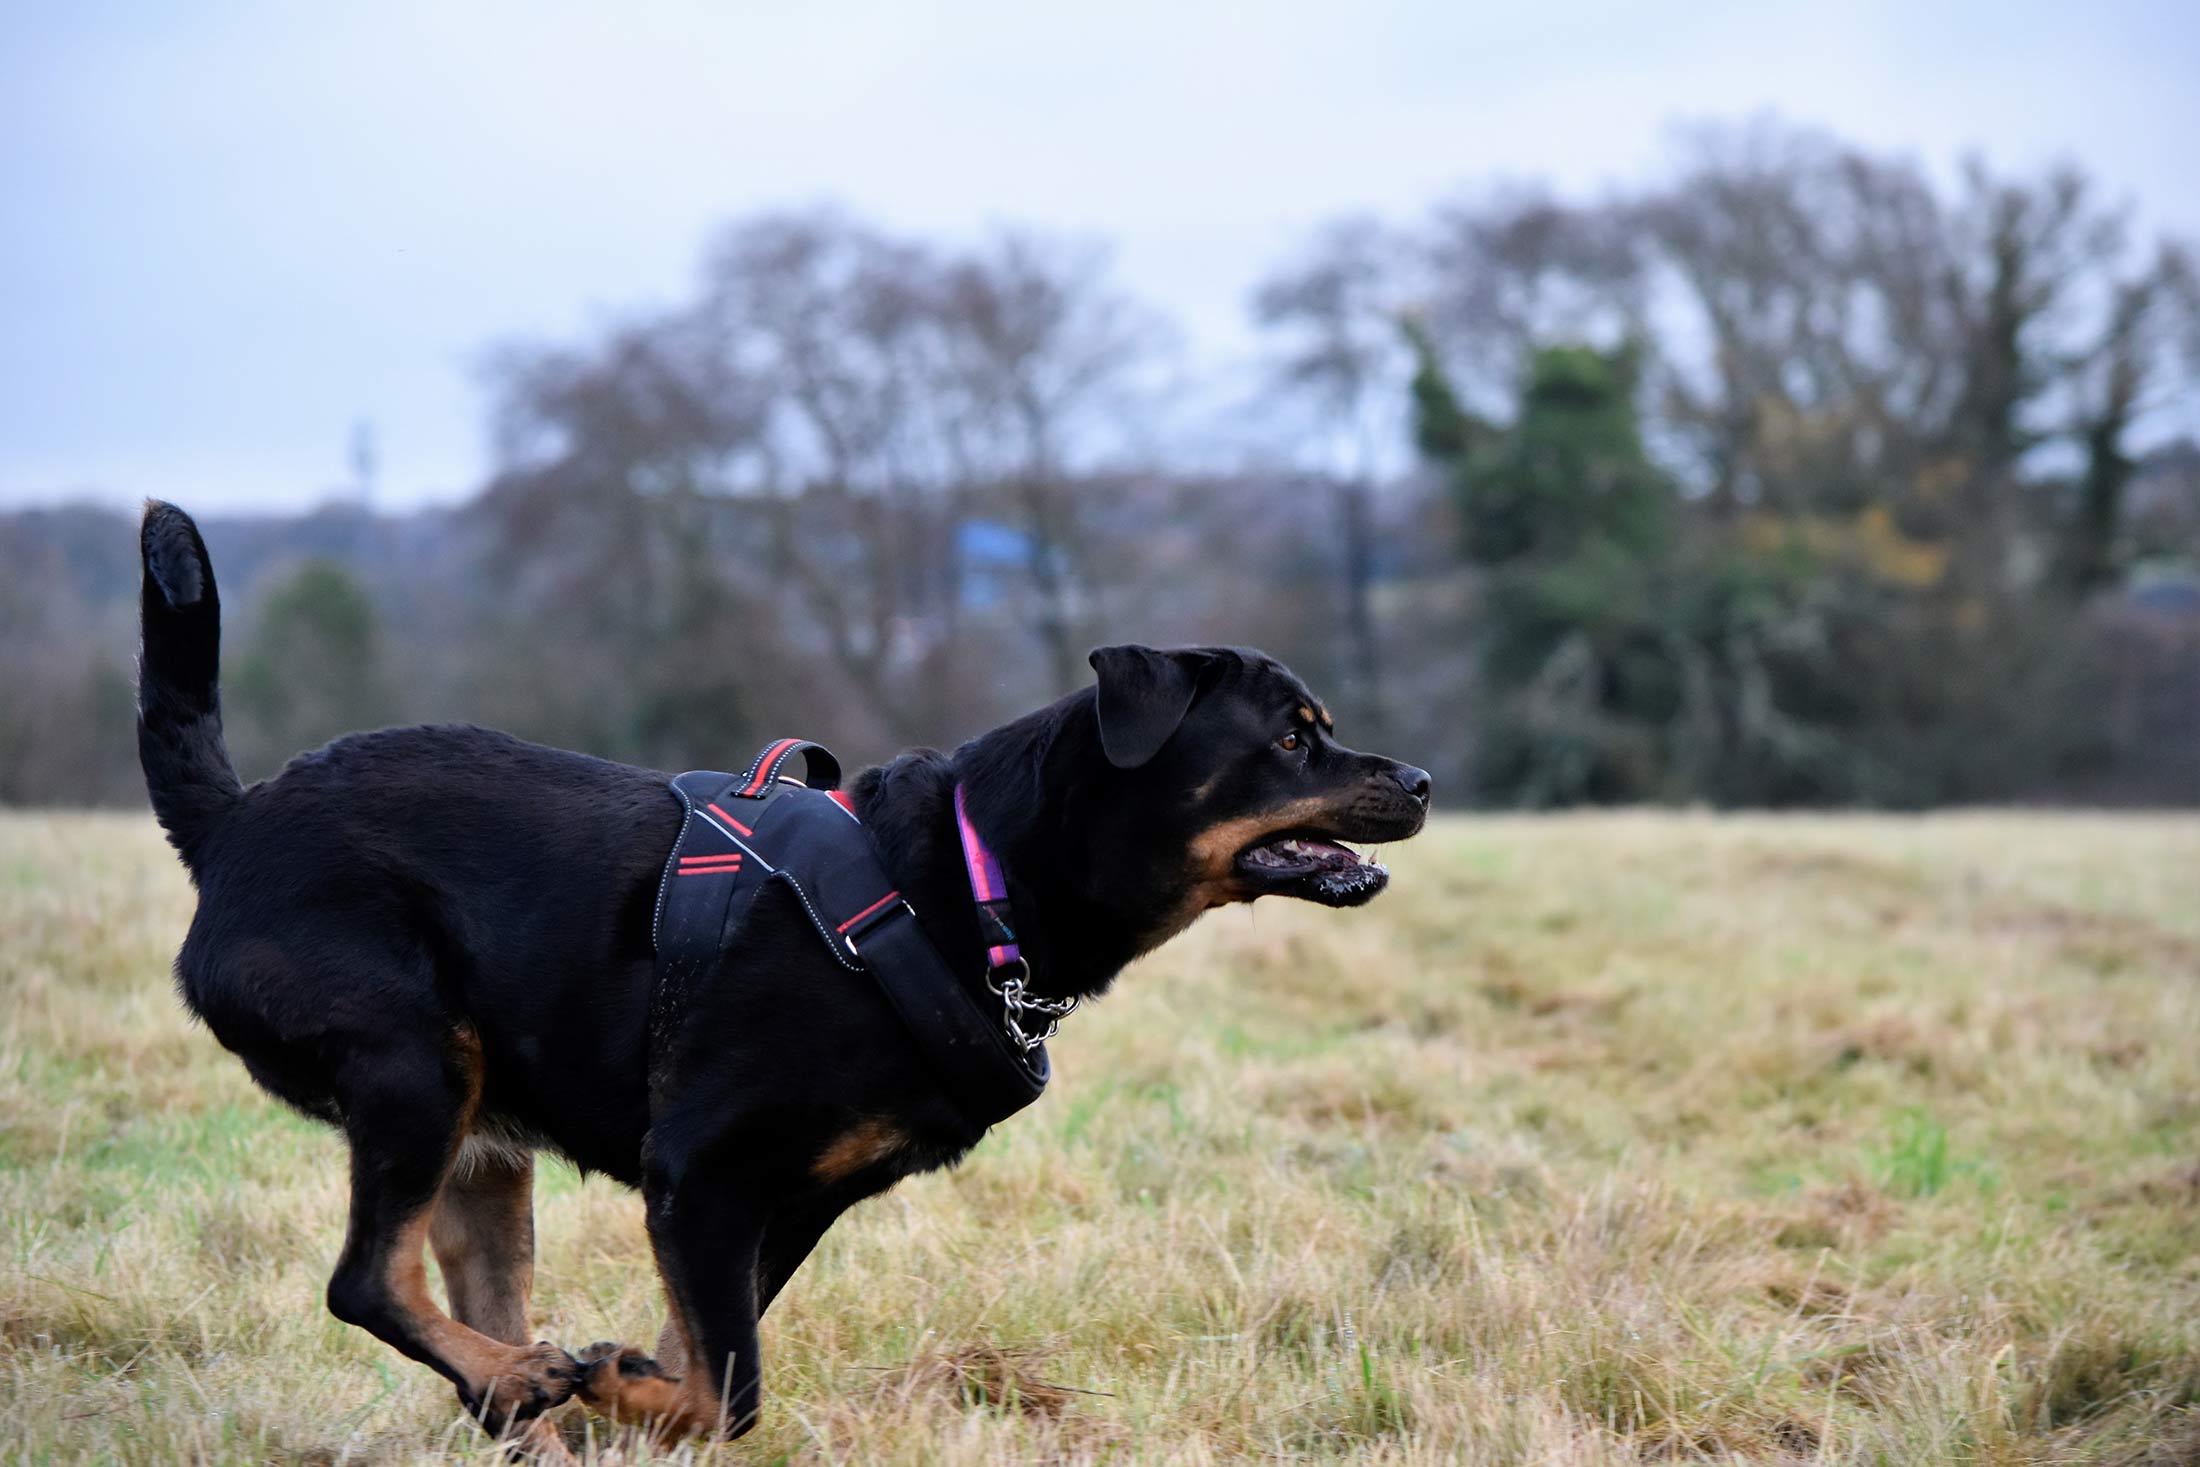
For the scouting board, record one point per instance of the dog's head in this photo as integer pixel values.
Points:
(1226, 761)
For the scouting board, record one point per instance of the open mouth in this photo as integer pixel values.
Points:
(1313, 867)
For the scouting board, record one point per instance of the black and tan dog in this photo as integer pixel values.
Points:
(439, 940)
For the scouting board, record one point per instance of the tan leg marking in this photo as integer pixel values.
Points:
(666, 1396)
(484, 1239)
(502, 1377)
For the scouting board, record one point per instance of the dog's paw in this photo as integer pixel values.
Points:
(535, 1380)
(601, 1353)
(632, 1388)
(607, 1365)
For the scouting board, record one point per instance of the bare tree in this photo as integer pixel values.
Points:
(1043, 353)
(807, 444)
(1337, 313)
(1802, 287)
(2146, 351)
(1513, 270)
(842, 320)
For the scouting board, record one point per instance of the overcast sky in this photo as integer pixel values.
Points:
(234, 230)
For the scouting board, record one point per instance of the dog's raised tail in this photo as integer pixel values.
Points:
(180, 745)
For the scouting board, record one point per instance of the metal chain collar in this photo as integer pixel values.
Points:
(1017, 1000)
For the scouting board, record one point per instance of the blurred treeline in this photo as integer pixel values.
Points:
(1793, 476)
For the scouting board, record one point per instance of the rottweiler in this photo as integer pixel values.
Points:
(438, 940)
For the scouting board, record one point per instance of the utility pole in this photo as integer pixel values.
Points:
(365, 461)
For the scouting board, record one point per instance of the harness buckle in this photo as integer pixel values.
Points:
(871, 920)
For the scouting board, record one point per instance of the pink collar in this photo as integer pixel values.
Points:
(989, 889)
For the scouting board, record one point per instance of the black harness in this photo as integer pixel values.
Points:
(740, 832)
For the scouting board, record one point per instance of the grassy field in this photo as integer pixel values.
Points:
(1598, 1139)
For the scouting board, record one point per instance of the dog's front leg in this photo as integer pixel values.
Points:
(789, 1237)
(707, 1234)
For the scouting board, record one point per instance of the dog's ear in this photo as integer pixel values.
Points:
(1144, 695)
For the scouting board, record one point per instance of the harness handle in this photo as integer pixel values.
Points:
(821, 768)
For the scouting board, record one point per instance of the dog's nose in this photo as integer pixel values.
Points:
(1414, 781)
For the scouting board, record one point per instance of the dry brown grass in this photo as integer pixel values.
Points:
(1599, 1139)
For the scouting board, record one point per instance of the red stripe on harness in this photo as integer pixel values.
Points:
(764, 765)
(722, 815)
(867, 911)
(840, 798)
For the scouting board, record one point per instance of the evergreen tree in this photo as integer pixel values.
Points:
(313, 669)
(1571, 472)
(1628, 651)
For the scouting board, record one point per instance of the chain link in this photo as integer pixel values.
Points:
(1017, 1000)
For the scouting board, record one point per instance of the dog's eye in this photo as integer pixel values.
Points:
(1289, 741)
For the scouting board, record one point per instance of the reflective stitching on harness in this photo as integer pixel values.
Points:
(844, 959)
(776, 755)
(664, 882)
(758, 762)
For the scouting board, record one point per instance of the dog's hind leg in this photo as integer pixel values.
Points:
(484, 1240)
(405, 1109)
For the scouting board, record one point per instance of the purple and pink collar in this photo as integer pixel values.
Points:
(989, 889)
(1006, 971)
